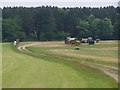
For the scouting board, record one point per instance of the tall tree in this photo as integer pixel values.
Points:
(45, 24)
(12, 30)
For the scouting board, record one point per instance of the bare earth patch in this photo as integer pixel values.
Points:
(50, 44)
(108, 42)
(108, 48)
(72, 53)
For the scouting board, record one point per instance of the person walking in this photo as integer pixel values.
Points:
(15, 43)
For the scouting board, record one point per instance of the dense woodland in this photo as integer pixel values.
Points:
(53, 23)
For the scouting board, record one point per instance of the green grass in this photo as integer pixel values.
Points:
(0, 66)
(44, 69)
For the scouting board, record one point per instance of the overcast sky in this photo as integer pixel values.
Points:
(59, 3)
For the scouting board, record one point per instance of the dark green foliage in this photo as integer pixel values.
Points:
(53, 23)
(12, 30)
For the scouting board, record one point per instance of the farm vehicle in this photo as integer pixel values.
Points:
(88, 40)
(69, 40)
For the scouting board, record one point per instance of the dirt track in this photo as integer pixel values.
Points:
(23, 47)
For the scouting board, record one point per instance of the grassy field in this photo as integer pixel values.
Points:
(0, 66)
(56, 65)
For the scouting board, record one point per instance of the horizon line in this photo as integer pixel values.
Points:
(59, 4)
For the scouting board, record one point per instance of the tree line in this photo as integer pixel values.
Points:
(53, 23)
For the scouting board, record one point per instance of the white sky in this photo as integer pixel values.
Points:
(59, 3)
(59, 0)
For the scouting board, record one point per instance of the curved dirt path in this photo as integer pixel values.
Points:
(103, 68)
(23, 47)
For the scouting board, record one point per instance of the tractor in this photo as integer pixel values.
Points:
(71, 41)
